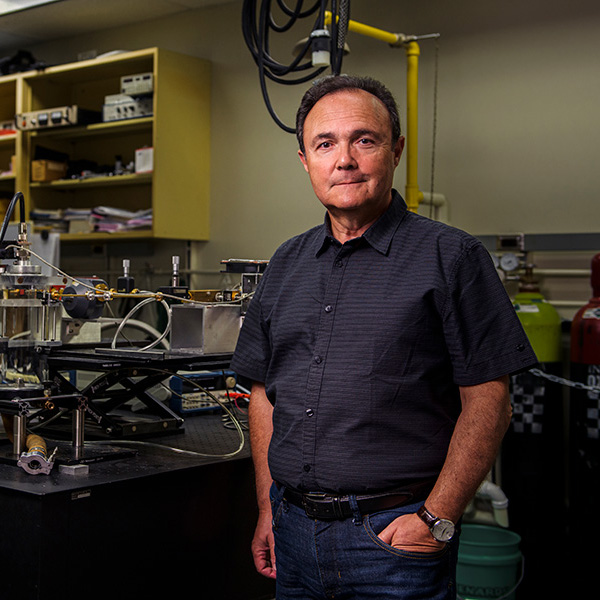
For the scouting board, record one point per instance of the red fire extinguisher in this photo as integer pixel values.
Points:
(584, 413)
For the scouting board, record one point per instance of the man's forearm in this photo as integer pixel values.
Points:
(481, 425)
(474, 446)
(260, 418)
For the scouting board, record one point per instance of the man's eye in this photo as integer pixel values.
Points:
(365, 141)
(324, 145)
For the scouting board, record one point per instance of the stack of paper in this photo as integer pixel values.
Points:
(49, 219)
(78, 220)
(107, 219)
(85, 220)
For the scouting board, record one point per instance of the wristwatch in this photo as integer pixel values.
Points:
(441, 529)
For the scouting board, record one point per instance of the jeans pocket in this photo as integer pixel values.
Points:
(277, 504)
(377, 522)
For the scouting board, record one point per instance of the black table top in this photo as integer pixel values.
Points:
(204, 439)
(105, 358)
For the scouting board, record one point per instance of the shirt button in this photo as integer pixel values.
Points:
(310, 412)
(328, 308)
(318, 359)
(306, 468)
(339, 263)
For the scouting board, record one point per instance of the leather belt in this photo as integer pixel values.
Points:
(326, 506)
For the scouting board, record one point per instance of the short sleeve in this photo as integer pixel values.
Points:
(253, 351)
(483, 333)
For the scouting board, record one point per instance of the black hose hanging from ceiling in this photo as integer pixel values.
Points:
(257, 25)
(17, 198)
(340, 37)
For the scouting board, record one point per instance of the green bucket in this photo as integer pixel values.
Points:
(489, 563)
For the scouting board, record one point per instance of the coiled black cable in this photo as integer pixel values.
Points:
(18, 197)
(257, 25)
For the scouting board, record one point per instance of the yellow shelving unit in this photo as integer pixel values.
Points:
(177, 190)
(9, 142)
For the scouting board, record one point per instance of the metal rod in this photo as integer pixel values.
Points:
(175, 274)
(78, 427)
(19, 434)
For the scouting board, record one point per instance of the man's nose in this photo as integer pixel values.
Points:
(346, 159)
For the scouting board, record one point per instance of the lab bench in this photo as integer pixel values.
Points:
(150, 523)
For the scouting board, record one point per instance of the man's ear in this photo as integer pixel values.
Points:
(303, 160)
(398, 148)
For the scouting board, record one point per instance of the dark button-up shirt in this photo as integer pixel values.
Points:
(363, 346)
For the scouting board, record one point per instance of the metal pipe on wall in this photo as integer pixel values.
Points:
(412, 193)
(413, 196)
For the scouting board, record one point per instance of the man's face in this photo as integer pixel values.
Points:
(349, 154)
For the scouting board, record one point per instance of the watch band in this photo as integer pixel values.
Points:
(426, 517)
(441, 529)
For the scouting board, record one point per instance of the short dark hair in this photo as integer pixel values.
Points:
(336, 83)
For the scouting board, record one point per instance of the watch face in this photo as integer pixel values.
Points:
(443, 530)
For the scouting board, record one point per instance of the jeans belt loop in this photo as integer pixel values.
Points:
(337, 508)
(357, 517)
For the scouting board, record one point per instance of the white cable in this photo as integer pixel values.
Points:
(106, 322)
(234, 420)
(176, 450)
(132, 312)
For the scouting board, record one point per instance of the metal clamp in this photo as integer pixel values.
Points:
(35, 461)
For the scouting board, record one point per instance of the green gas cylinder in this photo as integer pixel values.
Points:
(540, 320)
(532, 451)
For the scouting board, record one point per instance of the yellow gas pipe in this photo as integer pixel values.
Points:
(412, 193)
(393, 39)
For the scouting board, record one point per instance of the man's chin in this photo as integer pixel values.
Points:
(349, 196)
(358, 203)
(347, 206)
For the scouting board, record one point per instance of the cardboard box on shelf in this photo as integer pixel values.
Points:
(79, 226)
(47, 170)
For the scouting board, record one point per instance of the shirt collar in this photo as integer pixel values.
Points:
(324, 237)
(379, 235)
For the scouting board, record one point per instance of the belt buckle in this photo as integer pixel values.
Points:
(310, 503)
(319, 505)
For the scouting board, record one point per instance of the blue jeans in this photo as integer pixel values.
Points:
(345, 559)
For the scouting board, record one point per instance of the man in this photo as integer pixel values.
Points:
(379, 344)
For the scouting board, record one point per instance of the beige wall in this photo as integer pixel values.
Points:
(517, 129)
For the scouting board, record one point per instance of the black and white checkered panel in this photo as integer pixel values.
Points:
(593, 416)
(527, 398)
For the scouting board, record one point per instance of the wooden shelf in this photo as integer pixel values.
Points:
(102, 67)
(108, 181)
(8, 138)
(109, 128)
(178, 131)
(104, 236)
